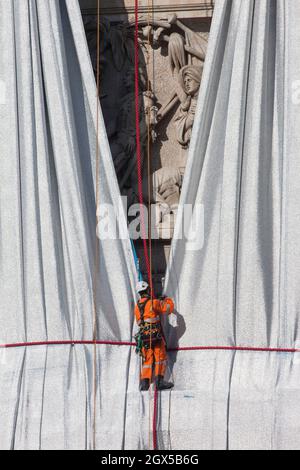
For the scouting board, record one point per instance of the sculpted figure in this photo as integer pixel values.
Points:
(166, 188)
(186, 56)
(124, 145)
(190, 79)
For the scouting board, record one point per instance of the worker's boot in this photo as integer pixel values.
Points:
(161, 384)
(144, 385)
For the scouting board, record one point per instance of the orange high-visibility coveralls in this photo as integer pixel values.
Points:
(156, 354)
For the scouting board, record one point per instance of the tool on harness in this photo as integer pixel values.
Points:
(149, 334)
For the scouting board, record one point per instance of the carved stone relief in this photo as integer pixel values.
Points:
(171, 58)
(176, 78)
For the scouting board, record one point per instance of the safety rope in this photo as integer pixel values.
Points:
(150, 190)
(139, 149)
(97, 254)
(155, 414)
(146, 246)
(149, 149)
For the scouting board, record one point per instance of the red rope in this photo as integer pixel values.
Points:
(131, 344)
(124, 343)
(140, 188)
(235, 348)
(65, 343)
(138, 148)
(155, 414)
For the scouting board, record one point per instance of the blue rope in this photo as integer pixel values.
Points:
(137, 262)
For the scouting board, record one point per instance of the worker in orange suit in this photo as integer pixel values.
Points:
(150, 340)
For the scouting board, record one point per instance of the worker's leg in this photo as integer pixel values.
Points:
(147, 364)
(160, 355)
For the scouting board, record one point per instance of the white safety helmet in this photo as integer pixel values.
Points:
(142, 287)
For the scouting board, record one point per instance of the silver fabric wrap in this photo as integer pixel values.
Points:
(48, 238)
(242, 288)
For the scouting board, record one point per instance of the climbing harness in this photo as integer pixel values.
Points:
(150, 330)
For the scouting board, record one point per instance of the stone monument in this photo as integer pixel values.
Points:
(173, 37)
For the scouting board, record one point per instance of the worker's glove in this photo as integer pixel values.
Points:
(173, 321)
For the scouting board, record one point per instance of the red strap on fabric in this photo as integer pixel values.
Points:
(124, 343)
(65, 343)
(132, 344)
(235, 348)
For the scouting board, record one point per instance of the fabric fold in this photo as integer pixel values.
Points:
(48, 141)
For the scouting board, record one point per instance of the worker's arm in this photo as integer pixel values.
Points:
(137, 314)
(165, 306)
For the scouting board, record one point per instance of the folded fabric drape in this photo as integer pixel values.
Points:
(240, 289)
(48, 238)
